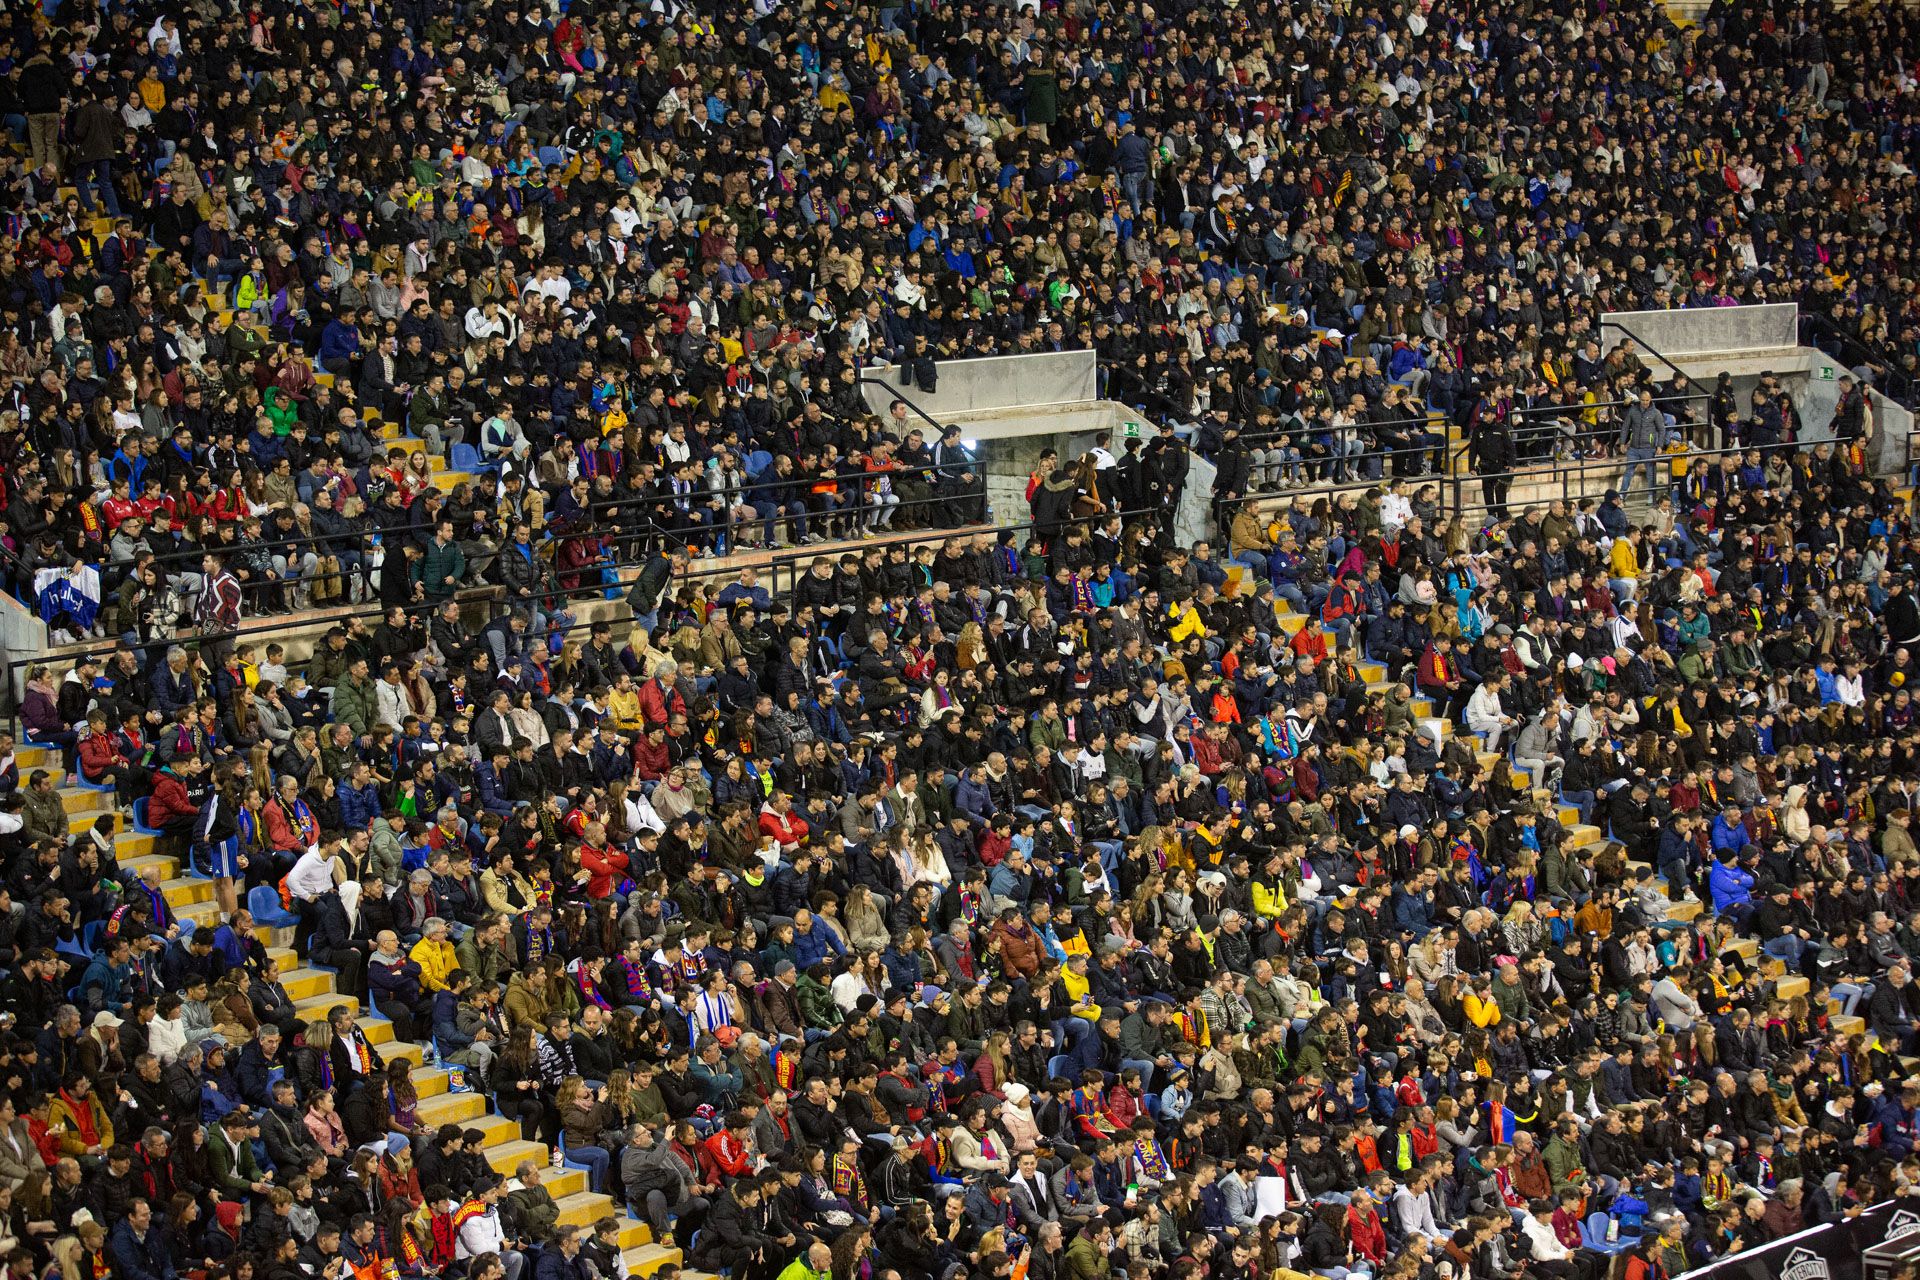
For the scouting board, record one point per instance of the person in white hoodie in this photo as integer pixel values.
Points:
(167, 1033)
(1485, 715)
(1544, 1247)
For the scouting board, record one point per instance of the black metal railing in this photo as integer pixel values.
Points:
(785, 564)
(1890, 379)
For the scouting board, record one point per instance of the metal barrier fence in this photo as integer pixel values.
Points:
(787, 564)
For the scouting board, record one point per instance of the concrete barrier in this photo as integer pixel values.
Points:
(1892, 435)
(22, 635)
(997, 383)
(1773, 326)
(1747, 341)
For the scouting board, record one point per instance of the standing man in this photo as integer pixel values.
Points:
(218, 612)
(93, 129)
(1492, 452)
(42, 95)
(1641, 434)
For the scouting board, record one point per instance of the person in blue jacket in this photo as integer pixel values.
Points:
(1731, 887)
(359, 800)
(1729, 831)
(138, 1247)
(1896, 1118)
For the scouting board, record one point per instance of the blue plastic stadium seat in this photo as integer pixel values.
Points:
(263, 901)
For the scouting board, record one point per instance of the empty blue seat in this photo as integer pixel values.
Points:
(263, 901)
(551, 156)
(465, 458)
(140, 818)
(1593, 1233)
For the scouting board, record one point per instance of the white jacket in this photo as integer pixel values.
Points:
(480, 1234)
(1544, 1246)
(1484, 712)
(390, 704)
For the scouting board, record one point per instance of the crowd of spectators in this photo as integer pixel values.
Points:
(1082, 903)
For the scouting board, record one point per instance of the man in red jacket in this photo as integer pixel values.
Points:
(659, 700)
(778, 820)
(726, 1156)
(605, 865)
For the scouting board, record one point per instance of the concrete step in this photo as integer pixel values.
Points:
(306, 983)
(568, 1182)
(506, 1154)
(182, 892)
(453, 1108)
(88, 800)
(646, 1259)
(584, 1208)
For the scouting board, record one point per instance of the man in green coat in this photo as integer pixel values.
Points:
(817, 1264)
(230, 1156)
(1562, 1158)
(443, 565)
(354, 701)
(1087, 1255)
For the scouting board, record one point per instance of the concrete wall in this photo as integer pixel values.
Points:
(1893, 435)
(1193, 519)
(1813, 378)
(1703, 330)
(1817, 395)
(22, 636)
(996, 383)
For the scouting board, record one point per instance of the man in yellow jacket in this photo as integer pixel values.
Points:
(434, 954)
(816, 1264)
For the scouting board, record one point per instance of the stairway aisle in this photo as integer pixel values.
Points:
(1579, 834)
(313, 993)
